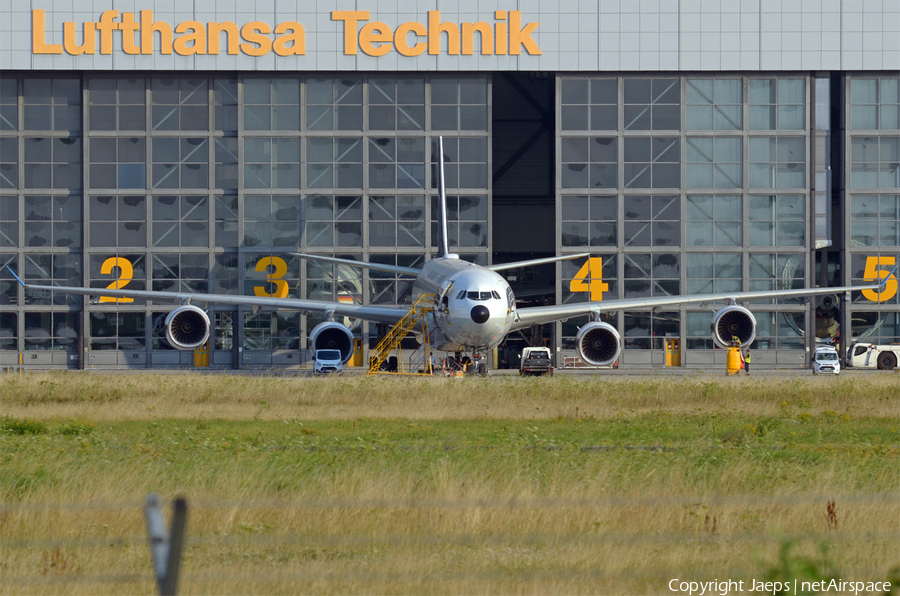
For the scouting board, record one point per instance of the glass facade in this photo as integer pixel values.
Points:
(712, 197)
(872, 222)
(204, 182)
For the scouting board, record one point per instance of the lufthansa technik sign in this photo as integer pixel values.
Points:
(506, 36)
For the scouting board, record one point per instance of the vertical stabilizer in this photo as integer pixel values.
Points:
(444, 246)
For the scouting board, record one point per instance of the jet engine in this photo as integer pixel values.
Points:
(187, 327)
(733, 321)
(598, 343)
(332, 336)
(827, 303)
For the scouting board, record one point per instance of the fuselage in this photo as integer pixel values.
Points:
(474, 307)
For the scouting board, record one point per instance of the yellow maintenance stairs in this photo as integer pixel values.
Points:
(391, 342)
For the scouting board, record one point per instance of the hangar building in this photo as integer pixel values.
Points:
(689, 145)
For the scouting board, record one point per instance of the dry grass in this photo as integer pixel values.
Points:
(97, 397)
(442, 486)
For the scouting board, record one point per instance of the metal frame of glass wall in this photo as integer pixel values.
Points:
(686, 185)
(872, 202)
(204, 182)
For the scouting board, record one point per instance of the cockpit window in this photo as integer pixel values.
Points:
(478, 295)
(495, 294)
(461, 295)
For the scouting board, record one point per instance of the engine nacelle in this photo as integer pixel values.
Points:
(733, 321)
(332, 336)
(598, 343)
(827, 302)
(187, 327)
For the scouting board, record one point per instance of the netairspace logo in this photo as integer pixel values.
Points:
(723, 588)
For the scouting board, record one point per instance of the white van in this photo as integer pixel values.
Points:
(535, 361)
(826, 361)
(328, 361)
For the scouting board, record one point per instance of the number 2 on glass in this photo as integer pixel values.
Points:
(126, 272)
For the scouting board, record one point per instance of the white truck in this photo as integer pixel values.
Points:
(882, 357)
(535, 361)
(826, 361)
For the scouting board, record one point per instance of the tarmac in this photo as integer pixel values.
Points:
(636, 372)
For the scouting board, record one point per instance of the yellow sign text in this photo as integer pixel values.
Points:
(136, 33)
(185, 39)
(377, 38)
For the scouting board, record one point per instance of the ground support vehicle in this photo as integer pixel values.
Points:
(328, 362)
(535, 361)
(734, 359)
(826, 361)
(865, 355)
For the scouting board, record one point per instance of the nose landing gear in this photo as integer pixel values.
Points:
(481, 367)
(461, 363)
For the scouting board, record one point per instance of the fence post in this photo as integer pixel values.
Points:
(166, 547)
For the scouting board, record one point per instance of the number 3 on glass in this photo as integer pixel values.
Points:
(592, 268)
(276, 277)
(873, 274)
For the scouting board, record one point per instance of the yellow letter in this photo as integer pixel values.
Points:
(89, 40)
(148, 28)
(297, 36)
(106, 26)
(38, 36)
(367, 36)
(197, 35)
(231, 35)
(128, 28)
(468, 38)
(521, 36)
(350, 17)
(249, 33)
(435, 28)
(500, 15)
(400, 38)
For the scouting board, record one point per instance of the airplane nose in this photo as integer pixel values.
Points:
(480, 314)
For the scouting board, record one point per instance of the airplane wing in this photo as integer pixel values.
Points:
(378, 314)
(544, 261)
(412, 271)
(525, 317)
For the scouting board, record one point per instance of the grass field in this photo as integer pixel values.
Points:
(587, 485)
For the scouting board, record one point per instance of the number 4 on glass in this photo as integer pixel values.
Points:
(590, 279)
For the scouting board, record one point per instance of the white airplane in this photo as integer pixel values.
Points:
(474, 307)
